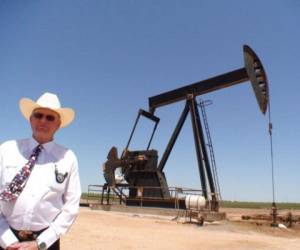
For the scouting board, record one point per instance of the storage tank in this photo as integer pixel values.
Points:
(195, 202)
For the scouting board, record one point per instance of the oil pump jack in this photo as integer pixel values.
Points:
(141, 168)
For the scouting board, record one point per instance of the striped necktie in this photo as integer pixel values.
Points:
(12, 191)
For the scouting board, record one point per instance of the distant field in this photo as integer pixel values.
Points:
(85, 196)
(244, 204)
(231, 204)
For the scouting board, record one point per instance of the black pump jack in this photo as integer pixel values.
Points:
(253, 71)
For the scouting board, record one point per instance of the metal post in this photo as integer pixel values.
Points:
(202, 153)
(173, 138)
(154, 129)
(107, 195)
(198, 145)
(102, 195)
(130, 137)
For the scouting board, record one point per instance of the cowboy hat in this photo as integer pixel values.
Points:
(49, 101)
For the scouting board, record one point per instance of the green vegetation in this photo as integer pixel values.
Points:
(90, 196)
(96, 196)
(247, 204)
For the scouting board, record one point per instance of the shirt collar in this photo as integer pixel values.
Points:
(46, 146)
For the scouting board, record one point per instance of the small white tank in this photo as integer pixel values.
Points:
(195, 202)
(119, 178)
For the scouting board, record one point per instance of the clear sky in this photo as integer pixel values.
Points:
(105, 58)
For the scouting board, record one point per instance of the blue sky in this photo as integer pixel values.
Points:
(105, 58)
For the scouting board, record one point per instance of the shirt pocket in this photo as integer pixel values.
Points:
(58, 180)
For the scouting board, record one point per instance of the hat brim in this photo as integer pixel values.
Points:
(27, 106)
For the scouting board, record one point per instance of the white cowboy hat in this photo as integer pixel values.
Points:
(49, 101)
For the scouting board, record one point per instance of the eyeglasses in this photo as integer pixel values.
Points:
(39, 116)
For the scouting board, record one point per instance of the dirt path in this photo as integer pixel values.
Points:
(95, 230)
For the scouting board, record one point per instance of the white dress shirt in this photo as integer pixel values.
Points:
(44, 202)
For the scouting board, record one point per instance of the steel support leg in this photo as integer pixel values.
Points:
(203, 162)
(173, 138)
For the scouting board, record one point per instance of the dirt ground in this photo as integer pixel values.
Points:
(97, 229)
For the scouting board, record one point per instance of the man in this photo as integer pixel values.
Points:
(40, 188)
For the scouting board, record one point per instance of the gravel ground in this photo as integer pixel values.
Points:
(97, 229)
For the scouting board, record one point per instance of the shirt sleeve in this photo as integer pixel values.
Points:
(70, 209)
(7, 237)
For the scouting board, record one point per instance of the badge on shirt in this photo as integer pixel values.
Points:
(60, 177)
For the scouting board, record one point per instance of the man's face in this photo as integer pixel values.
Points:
(44, 123)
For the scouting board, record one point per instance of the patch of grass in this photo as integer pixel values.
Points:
(90, 196)
(96, 196)
(257, 205)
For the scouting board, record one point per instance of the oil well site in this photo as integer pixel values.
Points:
(174, 124)
(138, 205)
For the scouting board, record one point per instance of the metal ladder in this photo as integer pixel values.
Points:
(202, 105)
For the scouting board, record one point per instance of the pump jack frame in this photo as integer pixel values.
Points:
(253, 71)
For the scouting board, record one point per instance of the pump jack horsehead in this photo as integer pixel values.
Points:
(141, 168)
